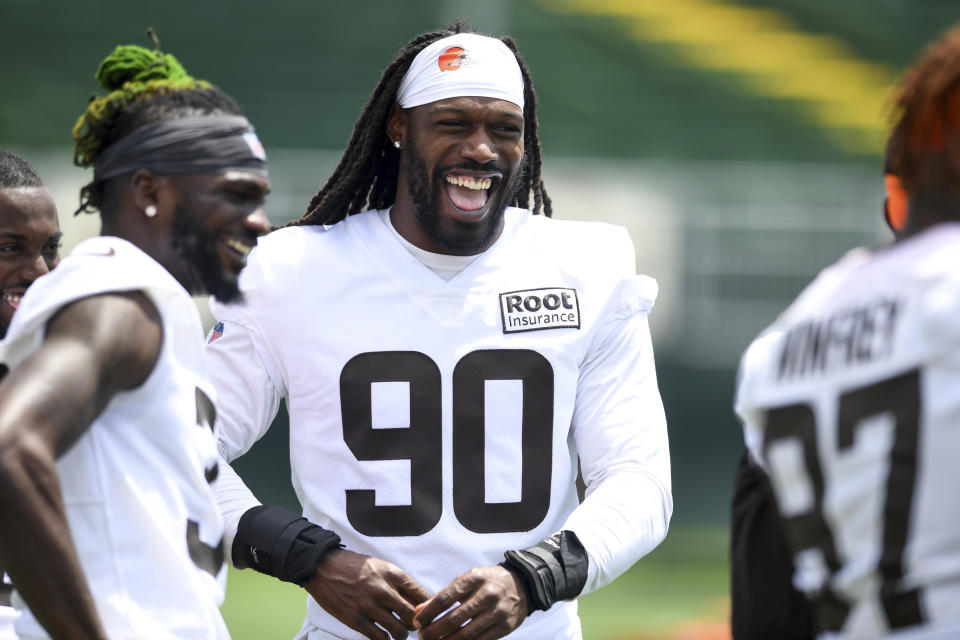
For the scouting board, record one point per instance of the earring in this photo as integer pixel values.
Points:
(396, 143)
(150, 210)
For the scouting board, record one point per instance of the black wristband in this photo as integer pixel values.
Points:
(554, 569)
(281, 543)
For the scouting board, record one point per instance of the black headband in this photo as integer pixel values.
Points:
(195, 144)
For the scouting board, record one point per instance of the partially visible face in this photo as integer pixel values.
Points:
(216, 223)
(29, 244)
(461, 166)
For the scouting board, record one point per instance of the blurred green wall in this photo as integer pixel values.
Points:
(303, 69)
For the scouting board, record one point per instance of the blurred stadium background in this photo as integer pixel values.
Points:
(739, 142)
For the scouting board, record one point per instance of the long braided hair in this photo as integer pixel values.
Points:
(367, 174)
(143, 86)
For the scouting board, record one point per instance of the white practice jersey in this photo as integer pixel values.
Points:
(438, 424)
(851, 400)
(8, 615)
(142, 514)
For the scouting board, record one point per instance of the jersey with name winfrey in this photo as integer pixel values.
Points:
(851, 401)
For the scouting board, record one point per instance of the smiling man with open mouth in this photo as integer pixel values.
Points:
(447, 353)
(460, 161)
(29, 232)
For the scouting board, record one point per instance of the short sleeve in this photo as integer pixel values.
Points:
(247, 397)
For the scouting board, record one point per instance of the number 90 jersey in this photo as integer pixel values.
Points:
(438, 424)
(142, 515)
(851, 401)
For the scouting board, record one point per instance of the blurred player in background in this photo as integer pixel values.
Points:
(110, 526)
(764, 601)
(29, 247)
(446, 357)
(851, 400)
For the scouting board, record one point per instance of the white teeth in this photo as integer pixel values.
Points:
(240, 247)
(470, 183)
(12, 300)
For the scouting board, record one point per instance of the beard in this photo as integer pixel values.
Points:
(198, 248)
(460, 238)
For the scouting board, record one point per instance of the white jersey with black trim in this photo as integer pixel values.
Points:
(437, 424)
(142, 514)
(851, 400)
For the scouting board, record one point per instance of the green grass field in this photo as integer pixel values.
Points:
(682, 583)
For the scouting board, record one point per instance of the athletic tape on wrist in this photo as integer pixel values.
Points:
(281, 543)
(554, 569)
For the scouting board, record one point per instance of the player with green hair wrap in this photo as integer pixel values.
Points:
(106, 424)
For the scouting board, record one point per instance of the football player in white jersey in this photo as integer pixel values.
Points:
(850, 399)
(29, 247)
(111, 528)
(764, 603)
(447, 358)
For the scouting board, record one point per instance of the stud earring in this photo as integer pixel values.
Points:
(150, 210)
(396, 143)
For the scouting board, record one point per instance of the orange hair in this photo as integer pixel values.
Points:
(928, 103)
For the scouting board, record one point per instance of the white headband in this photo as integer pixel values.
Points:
(465, 64)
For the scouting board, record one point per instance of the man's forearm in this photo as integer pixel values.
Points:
(36, 549)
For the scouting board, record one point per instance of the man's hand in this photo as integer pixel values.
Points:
(359, 591)
(492, 600)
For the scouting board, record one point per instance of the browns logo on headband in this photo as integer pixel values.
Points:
(465, 64)
(451, 59)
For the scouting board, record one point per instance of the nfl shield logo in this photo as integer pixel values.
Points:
(256, 147)
(216, 332)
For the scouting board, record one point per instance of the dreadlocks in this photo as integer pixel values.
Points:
(927, 155)
(367, 174)
(144, 86)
